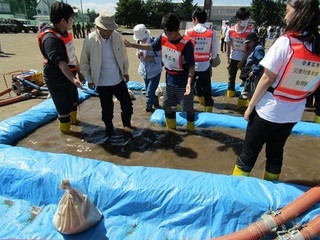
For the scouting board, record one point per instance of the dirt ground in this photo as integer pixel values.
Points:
(149, 145)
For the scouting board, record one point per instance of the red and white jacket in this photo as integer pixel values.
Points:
(202, 44)
(237, 39)
(172, 58)
(70, 49)
(301, 75)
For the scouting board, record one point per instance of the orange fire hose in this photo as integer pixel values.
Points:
(5, 91)
(270, 223)
(312, 229)
(309, 231)
(18, 98)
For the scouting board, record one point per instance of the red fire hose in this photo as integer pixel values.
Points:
(270, 223)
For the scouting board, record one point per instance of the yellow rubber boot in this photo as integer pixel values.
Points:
(171, 123)
(270, 176)
(242, 103)
(73, 118)
(317, 119)
(208, 108)
(65, 127)
(238, 172)
(201, 100)
(231, 93)
(190, 126)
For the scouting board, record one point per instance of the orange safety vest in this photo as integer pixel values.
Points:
(172, 54)
(72, 62)
(301, 75)
(237, 39)
(202, 44)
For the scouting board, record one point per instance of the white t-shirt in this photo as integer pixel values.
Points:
(274, 109)
(110, 72)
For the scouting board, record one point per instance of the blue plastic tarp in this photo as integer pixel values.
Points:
(136, 202)
(217, 88)
(205, 120)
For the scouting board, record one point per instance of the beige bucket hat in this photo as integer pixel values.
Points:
(106, 21)
(140, 32)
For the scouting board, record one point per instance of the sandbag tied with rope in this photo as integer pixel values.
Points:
(75, 213)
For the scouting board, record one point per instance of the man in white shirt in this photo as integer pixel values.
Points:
(224, 29)
(105, 64)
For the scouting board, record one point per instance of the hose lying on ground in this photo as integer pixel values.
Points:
(270, 223)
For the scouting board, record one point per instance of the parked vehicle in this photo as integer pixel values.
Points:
(7, 27)
(24, 25)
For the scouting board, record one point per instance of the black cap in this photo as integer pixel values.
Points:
(251, 37)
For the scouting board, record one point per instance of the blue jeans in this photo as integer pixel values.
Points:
(151, 87)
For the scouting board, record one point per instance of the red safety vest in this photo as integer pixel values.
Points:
(172, 54)
(202, 44)
(237, 39)
(301, 75)
(72, 62)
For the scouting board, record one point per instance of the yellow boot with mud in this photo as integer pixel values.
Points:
(238, 172)
(190, 126)
(65, 127)
(231, 93)
(317, 119)
(201, 100)
(270, 176)
(190, 121)
(73, 118)
(242, 103)
(171, 122)
(208, 108)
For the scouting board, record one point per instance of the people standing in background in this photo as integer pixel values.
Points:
(83, 30)
(236, 49)
(223, 44)
(205, 48)
(262, 33)
(178, 60)
(150, 66)
(74, 31)
(78, 29)
(61, 64)
(105, 64)
(88, 28)
(279, 99)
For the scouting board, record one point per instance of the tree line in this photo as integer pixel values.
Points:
(150, 12)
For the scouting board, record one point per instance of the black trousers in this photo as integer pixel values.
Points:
(202, 86)
(106, 93)
(223, 45)
(65, 98)
(232, 74)
(258, 133)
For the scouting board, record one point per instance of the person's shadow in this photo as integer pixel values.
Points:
(6, 54)
(125, 141)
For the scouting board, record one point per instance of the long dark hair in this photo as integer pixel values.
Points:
(305, 22)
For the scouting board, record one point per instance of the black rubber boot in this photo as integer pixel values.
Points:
(126, 120)
(109, 129)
